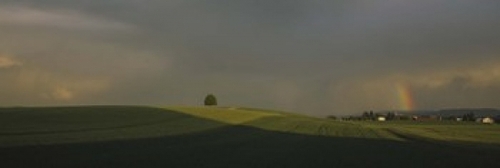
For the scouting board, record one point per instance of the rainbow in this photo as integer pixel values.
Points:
(405, 97)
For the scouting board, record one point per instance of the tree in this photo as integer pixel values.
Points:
(365, 115)
(210, 100)
(469, 117)
(390, 116)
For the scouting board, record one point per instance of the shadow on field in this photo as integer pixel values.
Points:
(247, 147)
(241, 146)
(58, 120)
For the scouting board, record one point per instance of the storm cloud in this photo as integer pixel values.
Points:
(312, 57)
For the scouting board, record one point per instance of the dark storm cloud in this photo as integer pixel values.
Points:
(316, 57)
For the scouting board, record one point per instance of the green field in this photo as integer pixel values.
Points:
(134, 136)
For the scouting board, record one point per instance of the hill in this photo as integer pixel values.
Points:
(135, 136)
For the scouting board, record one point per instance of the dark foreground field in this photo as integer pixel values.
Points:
(177, 139)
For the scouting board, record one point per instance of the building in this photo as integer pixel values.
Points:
(381, 118)
(486, 120)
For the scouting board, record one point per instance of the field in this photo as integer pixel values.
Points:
(133, 136)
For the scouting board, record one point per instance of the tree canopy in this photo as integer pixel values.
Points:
(210, 100)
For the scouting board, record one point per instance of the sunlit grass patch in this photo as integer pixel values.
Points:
(230, 115)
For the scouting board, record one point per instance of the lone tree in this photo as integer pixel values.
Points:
(210, 100)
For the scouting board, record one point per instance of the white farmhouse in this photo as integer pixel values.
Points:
(381, 118)
(485, 120)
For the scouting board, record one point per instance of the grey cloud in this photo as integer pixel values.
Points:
(293, 55)
(25, 16)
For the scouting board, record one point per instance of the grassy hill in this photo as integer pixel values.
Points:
(285, 122)
(134, 136)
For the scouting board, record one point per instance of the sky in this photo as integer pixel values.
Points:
(313, 57)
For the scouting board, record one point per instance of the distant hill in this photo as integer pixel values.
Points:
(480, 112)
(483, 112)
